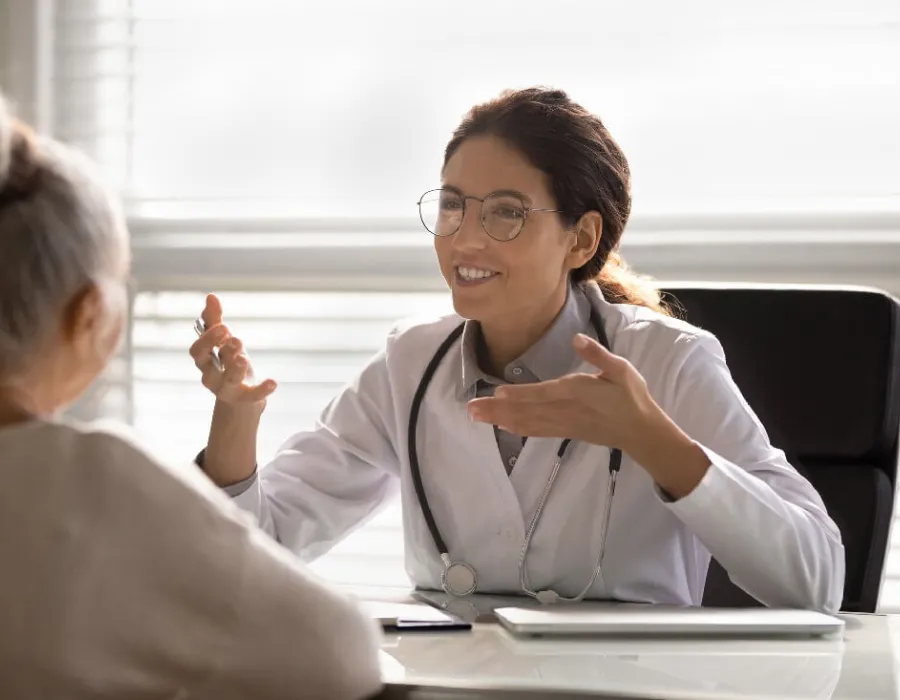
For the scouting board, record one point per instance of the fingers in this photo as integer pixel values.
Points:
(230, 350)
(206, 343)
(609, 365)
(236, 369)
(215, 381)
(235, 375)
(235, 364)
(261, 391)
(539, 392)
(530, 420)
(212, 313)
(485, 410)
(211, 378)
(500, 410)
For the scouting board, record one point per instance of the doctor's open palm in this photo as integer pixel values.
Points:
(611, 406)
(233, 382)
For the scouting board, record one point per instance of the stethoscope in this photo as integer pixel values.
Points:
(458, 578)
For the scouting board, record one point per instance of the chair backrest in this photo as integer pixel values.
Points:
(821, 368)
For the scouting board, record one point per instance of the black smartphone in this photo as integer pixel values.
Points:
(450, 625)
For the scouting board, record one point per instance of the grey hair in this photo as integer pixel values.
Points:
(60, 231)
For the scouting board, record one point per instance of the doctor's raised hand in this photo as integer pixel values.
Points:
(230, 455)
(611, 406)
(225, 366)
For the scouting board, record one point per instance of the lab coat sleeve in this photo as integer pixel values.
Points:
(327, 481)
(756, 514)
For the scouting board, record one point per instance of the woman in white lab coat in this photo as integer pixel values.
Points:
(560, 435)
(124, 577)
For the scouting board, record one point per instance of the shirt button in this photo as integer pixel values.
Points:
(513, 460)
(517, 371)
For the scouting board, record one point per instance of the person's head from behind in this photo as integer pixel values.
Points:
(534, 193)
(64, 264)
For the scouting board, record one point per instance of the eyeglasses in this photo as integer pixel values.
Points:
(503, 214)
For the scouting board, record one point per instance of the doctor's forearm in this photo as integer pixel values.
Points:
(673, 460)
(231, 450)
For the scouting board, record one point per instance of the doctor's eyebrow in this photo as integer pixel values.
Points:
(508, 193)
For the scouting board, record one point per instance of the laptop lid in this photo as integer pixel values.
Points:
(666, 621)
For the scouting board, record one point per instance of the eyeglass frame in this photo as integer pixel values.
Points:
(465, 197)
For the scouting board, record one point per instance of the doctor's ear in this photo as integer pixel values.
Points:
(585, 239)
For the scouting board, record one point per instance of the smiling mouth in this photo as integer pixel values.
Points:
(474, 274)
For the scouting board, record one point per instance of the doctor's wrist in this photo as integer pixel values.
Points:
(648, 425)
(239, 411)
(230, 455)
(674, 461)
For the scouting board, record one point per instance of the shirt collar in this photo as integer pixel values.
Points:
(550, 357)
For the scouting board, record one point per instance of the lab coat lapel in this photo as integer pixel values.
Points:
(481, 445)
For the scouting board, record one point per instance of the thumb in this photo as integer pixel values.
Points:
(609, 365)
(261, 391)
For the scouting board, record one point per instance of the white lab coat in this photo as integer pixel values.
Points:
(124, 577)
(761, 519)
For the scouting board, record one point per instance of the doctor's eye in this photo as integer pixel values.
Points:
(508, 213)
(510, 209)
(450, 202)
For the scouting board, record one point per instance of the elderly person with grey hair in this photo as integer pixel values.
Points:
(123, 576)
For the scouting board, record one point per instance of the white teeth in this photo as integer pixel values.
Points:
(474, 273)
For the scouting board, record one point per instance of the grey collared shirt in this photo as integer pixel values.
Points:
(549, 358)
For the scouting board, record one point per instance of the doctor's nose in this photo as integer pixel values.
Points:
(471, 234)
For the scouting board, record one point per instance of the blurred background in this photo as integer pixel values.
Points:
(273, 152)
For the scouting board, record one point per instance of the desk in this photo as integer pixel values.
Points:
(489, 663)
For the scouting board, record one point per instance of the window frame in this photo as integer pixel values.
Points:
(308, 254)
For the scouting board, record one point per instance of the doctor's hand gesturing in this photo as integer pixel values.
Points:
(232, 380)
(611, 407)
(230, 454)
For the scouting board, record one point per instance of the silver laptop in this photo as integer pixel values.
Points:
(665, 621)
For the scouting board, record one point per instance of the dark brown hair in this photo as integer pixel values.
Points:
(586, 169)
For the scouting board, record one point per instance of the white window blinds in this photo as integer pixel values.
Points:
(341, 109)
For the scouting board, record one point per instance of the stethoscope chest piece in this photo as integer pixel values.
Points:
(458, 579)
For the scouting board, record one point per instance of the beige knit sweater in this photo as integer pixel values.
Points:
(123, 577)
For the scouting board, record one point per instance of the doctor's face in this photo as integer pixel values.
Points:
(523, 278)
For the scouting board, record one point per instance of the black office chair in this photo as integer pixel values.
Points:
(821, 368)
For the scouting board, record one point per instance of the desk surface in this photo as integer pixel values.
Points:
(487, 662)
